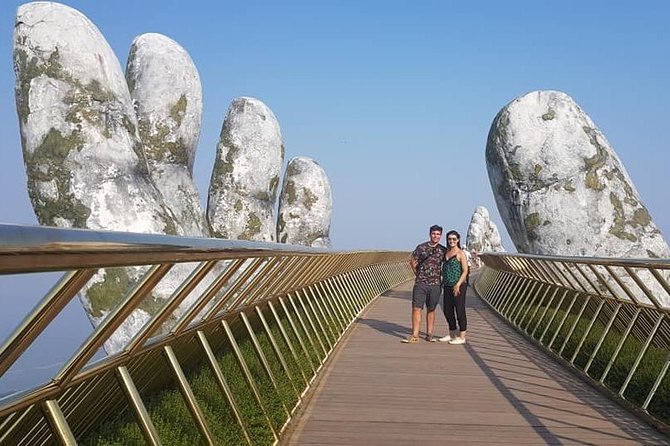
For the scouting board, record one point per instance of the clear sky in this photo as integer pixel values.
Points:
(393, 98)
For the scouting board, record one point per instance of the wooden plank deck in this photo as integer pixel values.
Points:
(497, 389)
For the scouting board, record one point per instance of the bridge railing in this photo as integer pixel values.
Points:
(230, 367)
(605, 318)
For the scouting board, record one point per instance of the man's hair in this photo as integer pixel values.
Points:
(435, 228)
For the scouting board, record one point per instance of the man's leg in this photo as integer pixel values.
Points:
(416, 321)
(418, 301)
(430, 321)
(432, 301)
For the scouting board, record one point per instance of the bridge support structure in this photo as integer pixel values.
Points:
(605, 319)
(232, 367)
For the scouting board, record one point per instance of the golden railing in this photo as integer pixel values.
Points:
(299, 300)
(604, 318)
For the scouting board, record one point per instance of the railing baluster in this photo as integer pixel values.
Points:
(527, 295)
(620, 345)
(537, 299)
(136, 403)
(565, 317)
(187, 393)
(602, 337)
(288, 342)
(551, 319)
(643, 350)
(249, 377)
(310, 324)
(261, 356)
(277, 350)
(544, 312)
(297, 335)
(111, 323)
(518, 295)
(59, 427)
(42, 315)
(578, 318)
(657, 382)
(223, 384)
(587, 331)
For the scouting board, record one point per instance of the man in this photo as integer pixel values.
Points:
(426, 262)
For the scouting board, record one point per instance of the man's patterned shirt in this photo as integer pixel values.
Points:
(429, 263)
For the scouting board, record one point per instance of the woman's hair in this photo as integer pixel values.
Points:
(452, 232)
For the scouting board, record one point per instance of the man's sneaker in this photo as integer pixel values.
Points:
(446, 338)
(457, 341)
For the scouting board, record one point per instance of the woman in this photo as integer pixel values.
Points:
(455, 283)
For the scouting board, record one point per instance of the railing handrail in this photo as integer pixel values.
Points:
(614, 278)
(614, 261)
(25, 249)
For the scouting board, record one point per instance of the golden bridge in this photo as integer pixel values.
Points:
(290, 345)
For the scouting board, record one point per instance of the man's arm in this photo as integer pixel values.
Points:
(413, 262)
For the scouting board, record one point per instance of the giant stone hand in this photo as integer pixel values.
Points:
(102, 153)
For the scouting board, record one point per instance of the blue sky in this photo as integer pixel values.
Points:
(393, 98)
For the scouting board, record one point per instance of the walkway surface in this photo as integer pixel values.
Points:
(497, 389)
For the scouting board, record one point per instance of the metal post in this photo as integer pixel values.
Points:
(588, 330)
(641, 354)
(602, 337)
(136, 403)
(59, 427)
(223, 383)
(288, 341)
(249, 377)
(621, 342)
(565, 317)
(188, 395)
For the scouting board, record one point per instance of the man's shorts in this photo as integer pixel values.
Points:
(428, 295)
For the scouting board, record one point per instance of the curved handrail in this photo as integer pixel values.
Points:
(274, 290)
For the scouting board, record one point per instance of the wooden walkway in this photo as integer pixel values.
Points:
(497, 389)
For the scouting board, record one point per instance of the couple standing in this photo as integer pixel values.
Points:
(437, 267)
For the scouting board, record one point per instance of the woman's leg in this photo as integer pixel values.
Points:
(449, 306)
(459, 304)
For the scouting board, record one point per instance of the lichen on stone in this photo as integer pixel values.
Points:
(281, 224)
(159, 147)
(290, 192)
(551, 114)
(515, 171)
(178, 110)
(532, 222)
(618, 228)
(29, 70)
(652, 254)
(105, 295)
(252, 227)
(594, 163)
(274, 182)
(641, 217)
(48, 164)
(169, 225)
(226, 165)
(309, 199)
